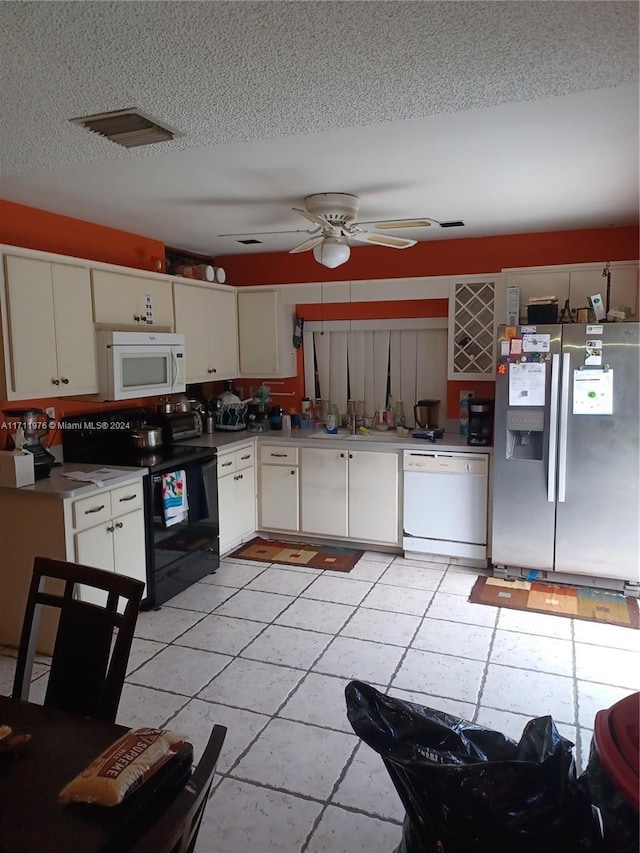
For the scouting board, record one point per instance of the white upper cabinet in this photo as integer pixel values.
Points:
(207, 317)
(49, 338)
(126, 300)
(472, 323)
(574, 284)
(265, 335)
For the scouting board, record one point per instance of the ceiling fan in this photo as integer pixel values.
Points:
(335, 217)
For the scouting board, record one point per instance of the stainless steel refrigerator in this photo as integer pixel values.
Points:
(566, 453)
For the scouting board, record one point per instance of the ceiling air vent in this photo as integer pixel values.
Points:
(130, 128)
(453, 223)
(249, 242)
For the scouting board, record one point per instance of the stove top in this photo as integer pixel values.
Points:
(104, 439)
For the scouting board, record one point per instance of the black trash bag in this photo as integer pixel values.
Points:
(467, 789)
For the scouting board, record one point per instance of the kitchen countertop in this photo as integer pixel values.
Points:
(451, 442)
(59, 487)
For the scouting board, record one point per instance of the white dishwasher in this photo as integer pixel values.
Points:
(445, 503)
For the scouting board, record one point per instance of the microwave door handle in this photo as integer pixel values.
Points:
(174, 365)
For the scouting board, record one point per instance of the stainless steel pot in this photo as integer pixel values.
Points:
(147, 438)
(182, 405)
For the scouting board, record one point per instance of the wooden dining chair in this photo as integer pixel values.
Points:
(92, 643)
(178, 828)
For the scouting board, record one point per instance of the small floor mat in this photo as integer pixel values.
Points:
(299, 554)
(577, 602)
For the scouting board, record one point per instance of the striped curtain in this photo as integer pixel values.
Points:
(411, 363)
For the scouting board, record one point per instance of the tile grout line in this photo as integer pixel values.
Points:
(485, 669)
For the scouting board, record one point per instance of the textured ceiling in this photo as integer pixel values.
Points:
(513, 116)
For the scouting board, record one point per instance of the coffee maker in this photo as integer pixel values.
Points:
(31, 425)
(480, 423)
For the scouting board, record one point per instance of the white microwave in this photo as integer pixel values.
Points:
(140, 364)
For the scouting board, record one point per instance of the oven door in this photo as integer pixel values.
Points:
(184, 552)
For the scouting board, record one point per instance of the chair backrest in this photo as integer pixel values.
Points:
(177, 829)
(92, 644)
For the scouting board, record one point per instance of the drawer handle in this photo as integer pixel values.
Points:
(119, 524)
(128, 498)
(248, 456)
(281, 455)
(110, 529)
(95, 509)
(226, 464)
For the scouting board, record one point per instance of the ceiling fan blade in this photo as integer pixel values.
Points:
(382, 240)
(401, 223)
(312, 217)
(262, 233)
(308, 244)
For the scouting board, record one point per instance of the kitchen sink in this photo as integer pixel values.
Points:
(376, 435)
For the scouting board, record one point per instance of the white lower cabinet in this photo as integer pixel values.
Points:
(236, 496)
(39, 523)
(352, 494)
(279, 488)
(117, 542)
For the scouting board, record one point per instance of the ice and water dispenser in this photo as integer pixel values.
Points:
(525, 434)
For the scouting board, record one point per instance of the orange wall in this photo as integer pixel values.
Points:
(38, 229)
(50, 232)
(440, 257)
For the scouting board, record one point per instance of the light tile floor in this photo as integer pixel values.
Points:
(268, 650)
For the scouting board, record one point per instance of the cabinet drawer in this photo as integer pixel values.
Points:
(274, 454)
(91, 510)
(126, 498)
(245, 457)
(226, 464)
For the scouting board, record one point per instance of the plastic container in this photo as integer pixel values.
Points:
(612, 774)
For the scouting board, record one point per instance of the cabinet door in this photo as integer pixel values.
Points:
(324, 491)
(227, 514)
(192, 305)
(94, 547)
(223, 333)
(121, 299)
(246, 501)
(279, 497)
(75, 334)
(373, 497)
(472, 315)
(129, 552)
(258, 333)
(32, 340)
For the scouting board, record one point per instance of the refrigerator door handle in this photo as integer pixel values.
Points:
(564, 425)
(553, 429)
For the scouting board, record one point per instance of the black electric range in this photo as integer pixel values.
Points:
(178, 553)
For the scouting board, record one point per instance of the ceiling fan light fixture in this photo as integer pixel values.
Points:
(332, 252)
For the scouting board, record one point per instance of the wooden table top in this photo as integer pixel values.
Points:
(61, 745)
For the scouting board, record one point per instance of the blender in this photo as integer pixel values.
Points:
(33, 424)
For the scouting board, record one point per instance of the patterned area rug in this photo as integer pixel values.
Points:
(299, 554)
(593, 605)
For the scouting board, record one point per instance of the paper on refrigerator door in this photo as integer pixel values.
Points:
(527, 384)
(593, 392)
